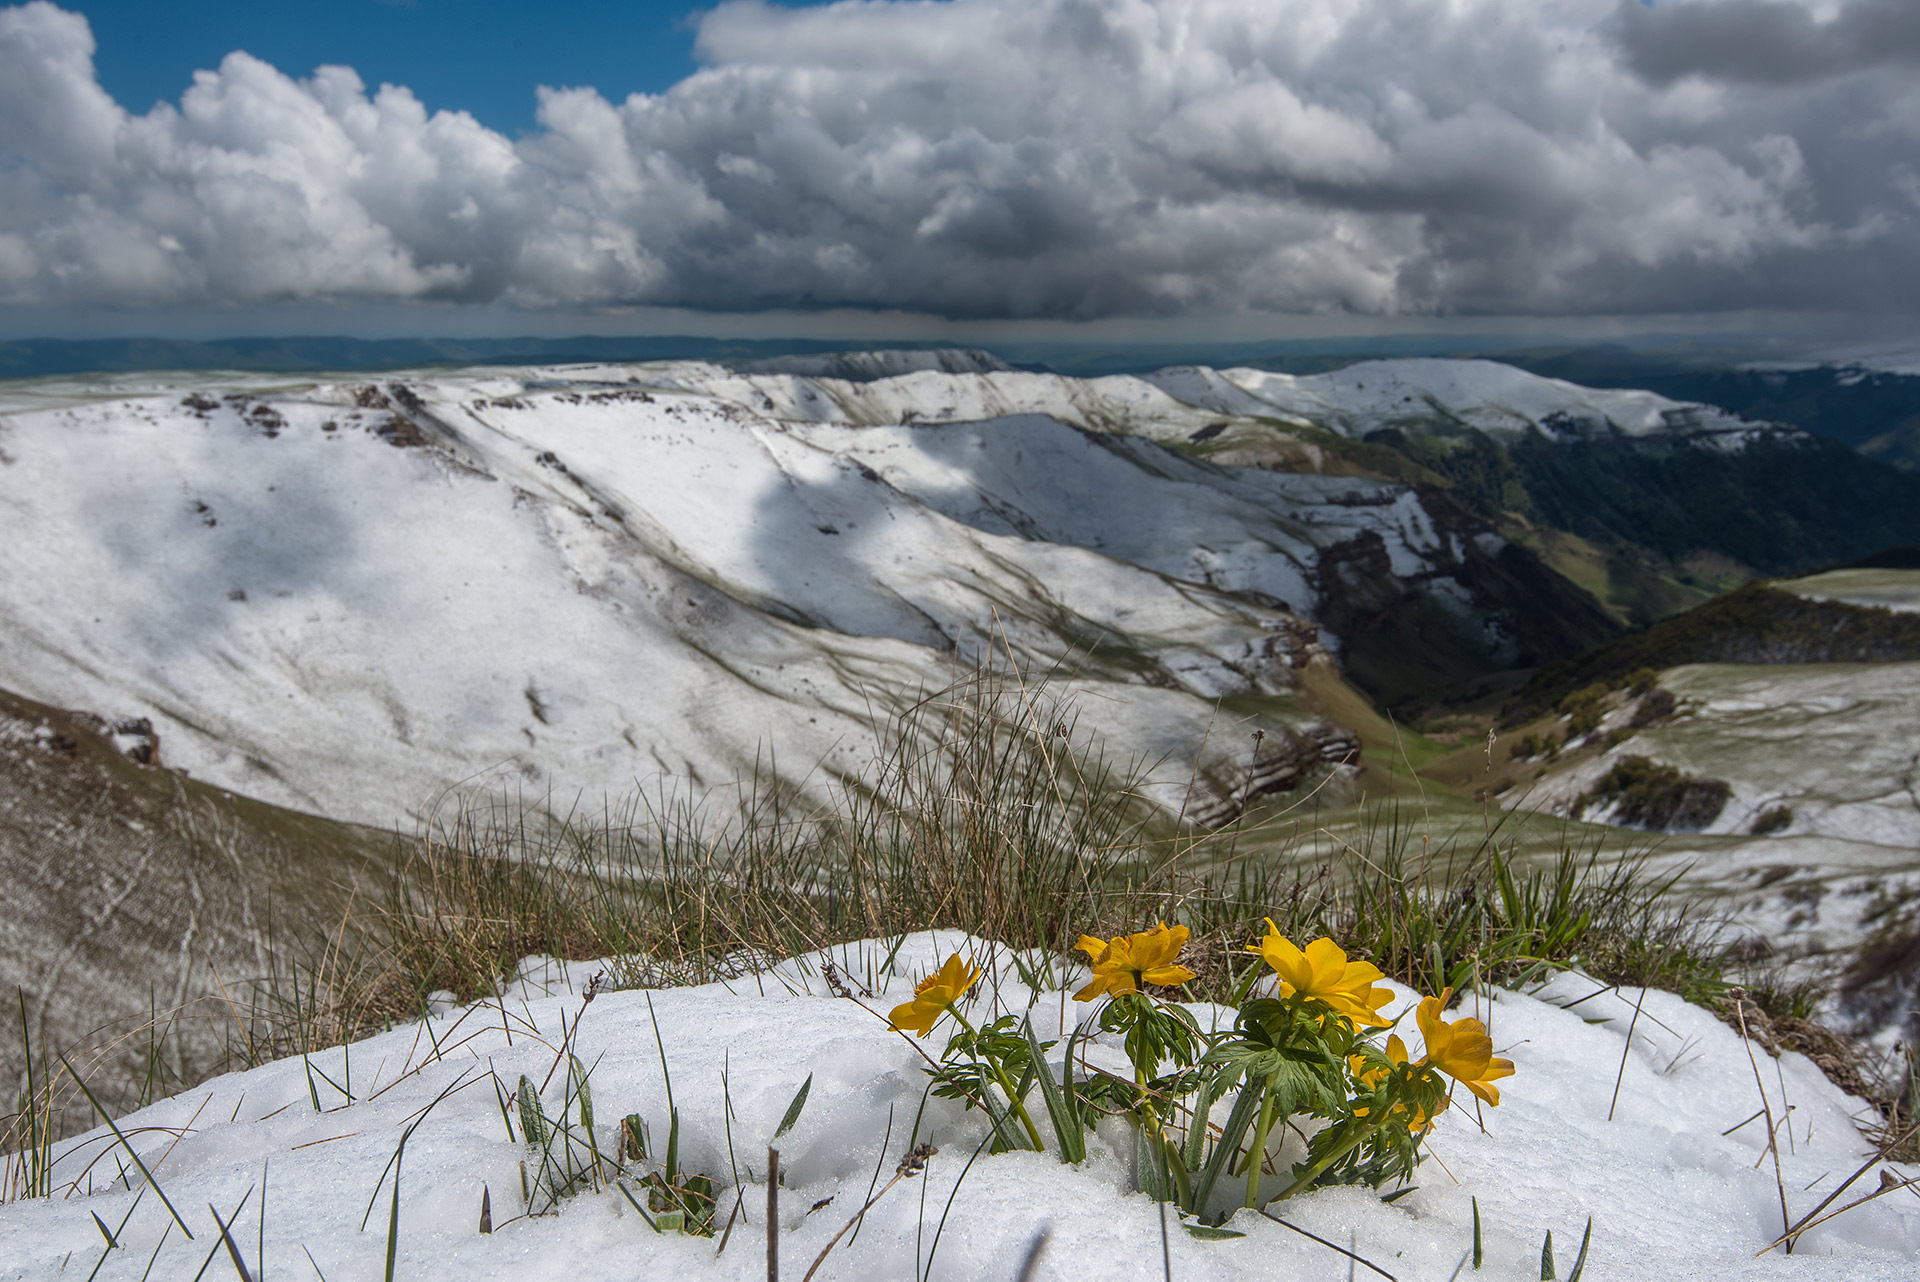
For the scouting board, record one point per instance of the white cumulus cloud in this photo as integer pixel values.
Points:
(1022, 158)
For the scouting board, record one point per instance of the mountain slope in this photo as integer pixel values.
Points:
(350, 598)
(1649, 503)
(1781, 716)
(133, 891)
(1793, 621)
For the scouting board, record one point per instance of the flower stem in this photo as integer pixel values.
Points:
(1319, 1167)
(1257, 1155)
(1013, 1098)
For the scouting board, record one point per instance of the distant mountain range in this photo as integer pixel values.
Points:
(1874, 411)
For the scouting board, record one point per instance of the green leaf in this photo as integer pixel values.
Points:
(1476, 1234)
(1546, 1259)
(1580, 1261)
(1171, 1165)
(1007, 1133)
(1148, 1166)
(1228, 1144)
(651, 1222)
(1207, 1233)
(533, 1126)
(1060, 1105)
(1070, 1091)
(580, 1089)
(793, 1109)
(1298, 1084)
(1211, 1089)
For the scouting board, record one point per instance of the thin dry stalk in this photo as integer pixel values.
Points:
(1624, 1051)
(911, 1165)
(1773, 1137)
(1807, 1221)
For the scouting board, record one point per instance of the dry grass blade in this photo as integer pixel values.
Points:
(1773, 1135)
(1331, 1246)
(1624, 1052)
(1807, 1221)
(910, 1165)
(1789, 1237)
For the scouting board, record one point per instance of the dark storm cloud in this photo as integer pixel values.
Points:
(1768, 41)
(1020, 158)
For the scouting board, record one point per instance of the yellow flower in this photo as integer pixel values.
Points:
(1322, 973)
(934, 996)
(1127, 963)
(1461, 1049)
(1370, 1078)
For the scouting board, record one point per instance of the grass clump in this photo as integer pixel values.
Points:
(1583, 710)
(1655, 706)
(986, 813)
(983, 811)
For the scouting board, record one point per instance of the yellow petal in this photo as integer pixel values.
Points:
(1326, 961)
(915, 1017)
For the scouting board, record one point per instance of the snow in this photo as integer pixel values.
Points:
(353, 597)
(1888, 589)
(560, 593)
(1675, 1185)
(578, 581)
(1495, 398)
(1173, 404)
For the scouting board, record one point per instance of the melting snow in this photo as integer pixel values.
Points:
(1677, 1186)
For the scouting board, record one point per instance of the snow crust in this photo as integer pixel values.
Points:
(1676, 1185)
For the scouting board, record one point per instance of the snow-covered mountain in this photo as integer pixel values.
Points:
(1174, 403)
(349, 597)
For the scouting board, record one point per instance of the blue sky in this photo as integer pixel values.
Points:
(480, 56)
